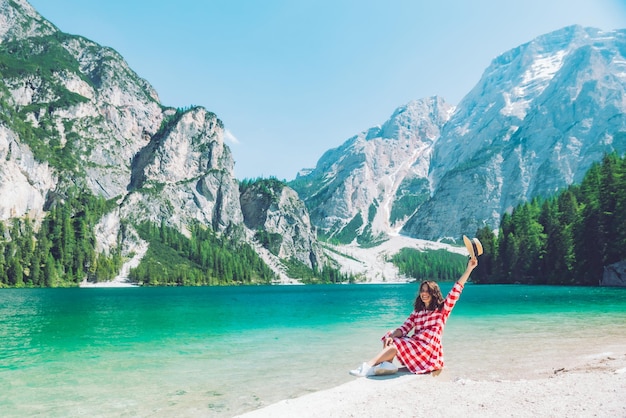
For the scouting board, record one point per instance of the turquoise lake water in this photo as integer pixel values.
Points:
(221, 351)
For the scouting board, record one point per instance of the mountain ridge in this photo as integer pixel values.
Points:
(540, 115)
(76, 116)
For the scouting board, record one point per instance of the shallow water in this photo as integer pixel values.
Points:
(222, 351)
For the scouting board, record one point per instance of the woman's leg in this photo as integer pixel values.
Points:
(386, 354)
(367, 368)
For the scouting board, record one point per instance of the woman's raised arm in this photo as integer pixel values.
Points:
(471, 265)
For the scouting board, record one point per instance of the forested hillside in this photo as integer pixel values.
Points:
(566, 239)
(62, 251)
(202, 259)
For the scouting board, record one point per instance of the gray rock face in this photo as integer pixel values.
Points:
(19, 20)
(281, 222)
(96, 106)
(614, 275)
(24, 182)
(185, 173)
(539, 117)
(375, 173)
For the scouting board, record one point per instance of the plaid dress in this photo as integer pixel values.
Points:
(422, 351)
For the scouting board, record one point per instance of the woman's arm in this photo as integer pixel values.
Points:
(388, 340)
(396, 333)
(401, 331)
(471, 265)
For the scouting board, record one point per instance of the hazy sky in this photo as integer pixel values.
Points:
(291, 79)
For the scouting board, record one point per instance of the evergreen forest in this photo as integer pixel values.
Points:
(438, 265)
(566, 239)
(62, 251)
(203, 259)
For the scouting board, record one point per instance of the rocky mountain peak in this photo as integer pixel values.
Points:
(539, 117)
(361, 189)
(280, 222)
(19, 20)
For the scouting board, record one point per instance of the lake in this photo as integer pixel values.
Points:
(221, 351)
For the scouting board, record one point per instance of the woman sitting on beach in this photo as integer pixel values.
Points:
(422, 351)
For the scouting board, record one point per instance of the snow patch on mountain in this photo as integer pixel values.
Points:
(373, 265)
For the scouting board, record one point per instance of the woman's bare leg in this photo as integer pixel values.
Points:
(386, 354)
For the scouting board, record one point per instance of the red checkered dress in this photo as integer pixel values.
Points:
(422, 352)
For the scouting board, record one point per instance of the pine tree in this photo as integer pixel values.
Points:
(608, 203)
(620, 211)
(484, 272)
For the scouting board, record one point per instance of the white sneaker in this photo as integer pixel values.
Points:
(363, 370)
(384, 368)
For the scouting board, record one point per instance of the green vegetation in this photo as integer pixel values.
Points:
(42, 60)
(439, 265)
(566, 239)
(299, 270)
(366, 238)
(405, 206)
(270, 186)
(271, 241)
(371, 211)
(410, 195)
(62, 252)
(349, 232)
(203, 259)
(43, 57)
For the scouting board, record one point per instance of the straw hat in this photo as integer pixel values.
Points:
(474, 247)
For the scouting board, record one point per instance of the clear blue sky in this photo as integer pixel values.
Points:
(291, 79)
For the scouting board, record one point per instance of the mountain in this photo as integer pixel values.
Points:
(539, 117)
(79, 127)
(281, 222)
(373, 182)
(75, 116)
(541, 114)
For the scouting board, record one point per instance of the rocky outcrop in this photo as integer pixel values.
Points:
(114, 135)
(614, 275)
(19, 20)
(280, 222)
(24, 182)
(185, 174)
(82, 103)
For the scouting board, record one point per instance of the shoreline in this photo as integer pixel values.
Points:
(594, 388)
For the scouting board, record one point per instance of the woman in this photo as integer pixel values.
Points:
(420, 352)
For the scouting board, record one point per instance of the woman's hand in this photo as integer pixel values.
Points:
(389, 340)
(472, 263)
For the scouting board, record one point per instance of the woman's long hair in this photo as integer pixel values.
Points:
(436, 301)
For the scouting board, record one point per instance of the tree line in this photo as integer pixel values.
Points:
(204, 258)
(438, 265)
(327, 275)
(566, 239)
(62, 252)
